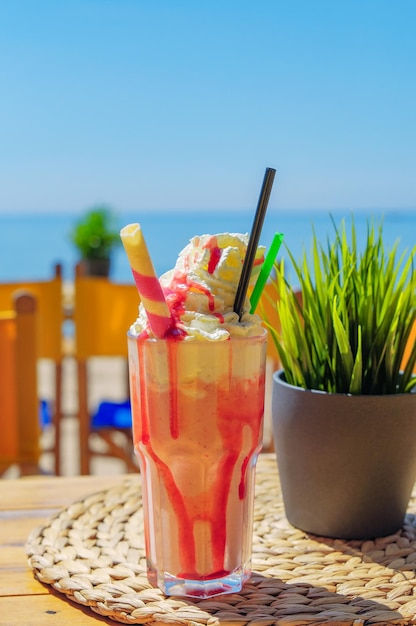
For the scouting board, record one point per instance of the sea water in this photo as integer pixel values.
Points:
(32, 243)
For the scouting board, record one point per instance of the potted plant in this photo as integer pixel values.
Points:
(95, 236)
(343, 405)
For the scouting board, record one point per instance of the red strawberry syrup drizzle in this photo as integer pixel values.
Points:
(181, 285)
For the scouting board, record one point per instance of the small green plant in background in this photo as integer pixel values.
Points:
(95, 234)
(358, 309)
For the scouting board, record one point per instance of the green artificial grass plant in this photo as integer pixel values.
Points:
(358, 309)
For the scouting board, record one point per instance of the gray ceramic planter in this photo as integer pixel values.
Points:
(347, 464)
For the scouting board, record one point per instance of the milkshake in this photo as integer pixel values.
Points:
(197, 401)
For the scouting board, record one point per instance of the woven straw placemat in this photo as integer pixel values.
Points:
(93, 553)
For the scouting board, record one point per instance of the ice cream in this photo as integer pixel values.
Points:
(200, 289)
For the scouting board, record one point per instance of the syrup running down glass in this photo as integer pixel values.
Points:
(197, 425)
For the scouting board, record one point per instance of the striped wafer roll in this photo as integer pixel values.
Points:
(148, 286)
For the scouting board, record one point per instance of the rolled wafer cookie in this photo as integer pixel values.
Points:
(147, 282)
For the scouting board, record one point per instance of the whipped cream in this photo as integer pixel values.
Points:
(200, 290)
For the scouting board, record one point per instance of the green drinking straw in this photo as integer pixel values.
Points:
(265, 270)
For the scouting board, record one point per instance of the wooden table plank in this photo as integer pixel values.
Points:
(46, 610)
(19, 580)
(16, 577)
(15, 526)
(52, 491)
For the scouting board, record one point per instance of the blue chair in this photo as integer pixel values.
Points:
(112, 415)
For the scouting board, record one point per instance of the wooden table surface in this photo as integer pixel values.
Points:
(24, 504)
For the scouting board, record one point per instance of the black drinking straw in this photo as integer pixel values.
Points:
(253, 241)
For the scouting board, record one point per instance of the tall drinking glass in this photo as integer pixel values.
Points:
(197, 426)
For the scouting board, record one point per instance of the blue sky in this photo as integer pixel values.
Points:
(181, 104)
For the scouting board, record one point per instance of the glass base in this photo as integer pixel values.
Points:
(198, 588)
